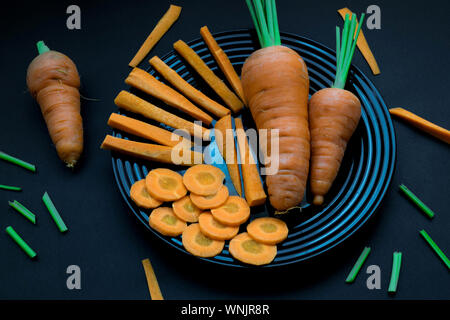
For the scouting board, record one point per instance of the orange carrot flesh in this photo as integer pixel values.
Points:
(199, 244)
(165, 185)
(247, 250)
(164, 221)
(147, 83)
(223, 62)
(152, 281)
(189, 91)
(160, 29)
(208, 75)
(422, 124)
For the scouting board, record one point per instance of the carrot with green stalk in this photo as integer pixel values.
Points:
(334, 114)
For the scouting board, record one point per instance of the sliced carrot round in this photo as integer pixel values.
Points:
(268, 230)
(244, 248)
(200, 245)
(213, 229)
(233, 212)
(166, 222)
(140, 196)
(212, 201)
(185, 210)
(203, 179)
(165, 185)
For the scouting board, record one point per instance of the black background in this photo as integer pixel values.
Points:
(108, 243)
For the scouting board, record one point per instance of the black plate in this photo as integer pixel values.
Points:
(362, 181)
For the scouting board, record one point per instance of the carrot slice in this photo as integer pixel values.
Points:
(185, 210)
(140, 196)
(268, 230)
(422, 124)
(189, 91)
(233, 212)
(147, 83)
(253, 187)
(212, 201)
(208, 75)
(213, 229)
(362, 44)
(165, 185)
(200, 245)
(152, 281)
(247, 250)
(132, 103)
(225, 142)
(160, 29)
(164, 221)
(203, 179)
(222, 60)
(147, 151)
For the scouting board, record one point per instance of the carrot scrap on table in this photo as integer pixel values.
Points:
(17, 161)
(23, 211)
(435, 248)
(395, 273)
(20, 242)
(160, 29)
(363, 46)
(152, 281)
(422, 124)
(54, 212)
(10, 188)
(358, 264)
(422, 206)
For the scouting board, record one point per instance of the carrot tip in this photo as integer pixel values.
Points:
(71, 164)
(318, 200)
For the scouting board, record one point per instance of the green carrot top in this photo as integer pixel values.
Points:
(42, 47)
(264, 16)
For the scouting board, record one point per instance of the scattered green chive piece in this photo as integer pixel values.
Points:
(396, 264)
(17, 162)
(354, 272)
(54, 213)
(422, 206)
(23, 211)
(435, 247)
(2, 186)
(42, 47)
(25, 247)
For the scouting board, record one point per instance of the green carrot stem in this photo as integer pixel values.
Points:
(359, 263)
(275, 24)
(54, 213)
(262, 22)
(17, 161)
(264, 16)
(23, 211)
(255, 21)
(22, 244)
(422, 206)
(395, 273)
(11, 188)
(42, 47)
(435, 247)
(270, 20)
(338, 48)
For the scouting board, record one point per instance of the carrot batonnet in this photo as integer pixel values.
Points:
(132, 103)
(212, 201)
(152, 281)
(422, 124)
(165, 185)
(225, 142)
(185, 210)
(230, 99)
(203, 179)
(164, 221)
(160, 29)
(213, 229)
(140, 196)
(147, 83)
(268, 230)
(199, 244)
(247, 250)
(233, 212)
(223, 62)
(147, 151)
(189, 91)
(253, 187)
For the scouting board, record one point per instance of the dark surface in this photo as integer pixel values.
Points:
(108, 243)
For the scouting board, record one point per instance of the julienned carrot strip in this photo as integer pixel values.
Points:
(362, 44)
(422, 124)
(222, 60)
(144, 130)
(135, 104)
(208, 75)
(147, 151)
(152, 282)
(189, 91)
(144, 81)
(160, 29)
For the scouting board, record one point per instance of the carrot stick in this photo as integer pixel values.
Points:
(144, 130)
(189, 91)
(147, 151)
(152, 282)
(160, 29)
(362, 44)
(208, 75)
(422, 124)
(222, 60)
(144, 81)
(135, 104)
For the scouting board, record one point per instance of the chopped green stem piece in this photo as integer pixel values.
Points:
(42, 47)
(54, 213)
(354, 272)
(264, 16)
(396, 264)
(422, 206)
(11, 188)
(435, 247)
(23, 211)
(25, 247)
(17, 162)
